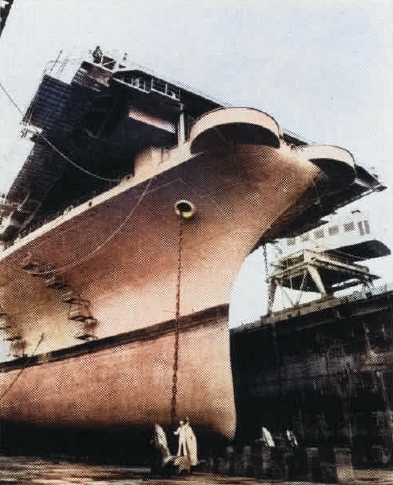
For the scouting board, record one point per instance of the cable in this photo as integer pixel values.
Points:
(79, 167)
(10, 98)
(55, 149)
(104, 243)
(145, 191)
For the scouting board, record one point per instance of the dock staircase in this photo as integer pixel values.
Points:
(78, 307)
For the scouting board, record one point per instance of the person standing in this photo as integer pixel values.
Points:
(191, 443)
(182, 450)
(97, 55)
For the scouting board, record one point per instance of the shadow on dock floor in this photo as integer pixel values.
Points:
(28, 470)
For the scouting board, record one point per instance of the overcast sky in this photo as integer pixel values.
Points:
(322, 69)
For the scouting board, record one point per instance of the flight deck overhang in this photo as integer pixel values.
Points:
(365, 182)
(98, 123)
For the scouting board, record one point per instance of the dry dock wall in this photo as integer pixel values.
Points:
(324, 372)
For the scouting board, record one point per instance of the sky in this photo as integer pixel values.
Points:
(323, 70)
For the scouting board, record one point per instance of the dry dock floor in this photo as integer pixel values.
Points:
(23, 470)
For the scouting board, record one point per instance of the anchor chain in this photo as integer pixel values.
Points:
(177, 324)
(270, 298)
(265, 262)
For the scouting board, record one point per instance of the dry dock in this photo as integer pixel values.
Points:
(21, 470)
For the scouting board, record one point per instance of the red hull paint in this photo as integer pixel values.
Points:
(120, 252)
(75, 390)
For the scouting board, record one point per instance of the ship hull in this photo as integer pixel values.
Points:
(123, 383)
(134, 263)
(121, 253)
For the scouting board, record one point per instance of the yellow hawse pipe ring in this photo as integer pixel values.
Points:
(185, 209)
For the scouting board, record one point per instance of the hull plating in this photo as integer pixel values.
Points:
(101, 386)
(120, 252)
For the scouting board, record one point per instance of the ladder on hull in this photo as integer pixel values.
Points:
(78, 307)
(11, 334)
(79, 311)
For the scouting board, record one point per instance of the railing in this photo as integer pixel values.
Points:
(52, 216)
(149, 84)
